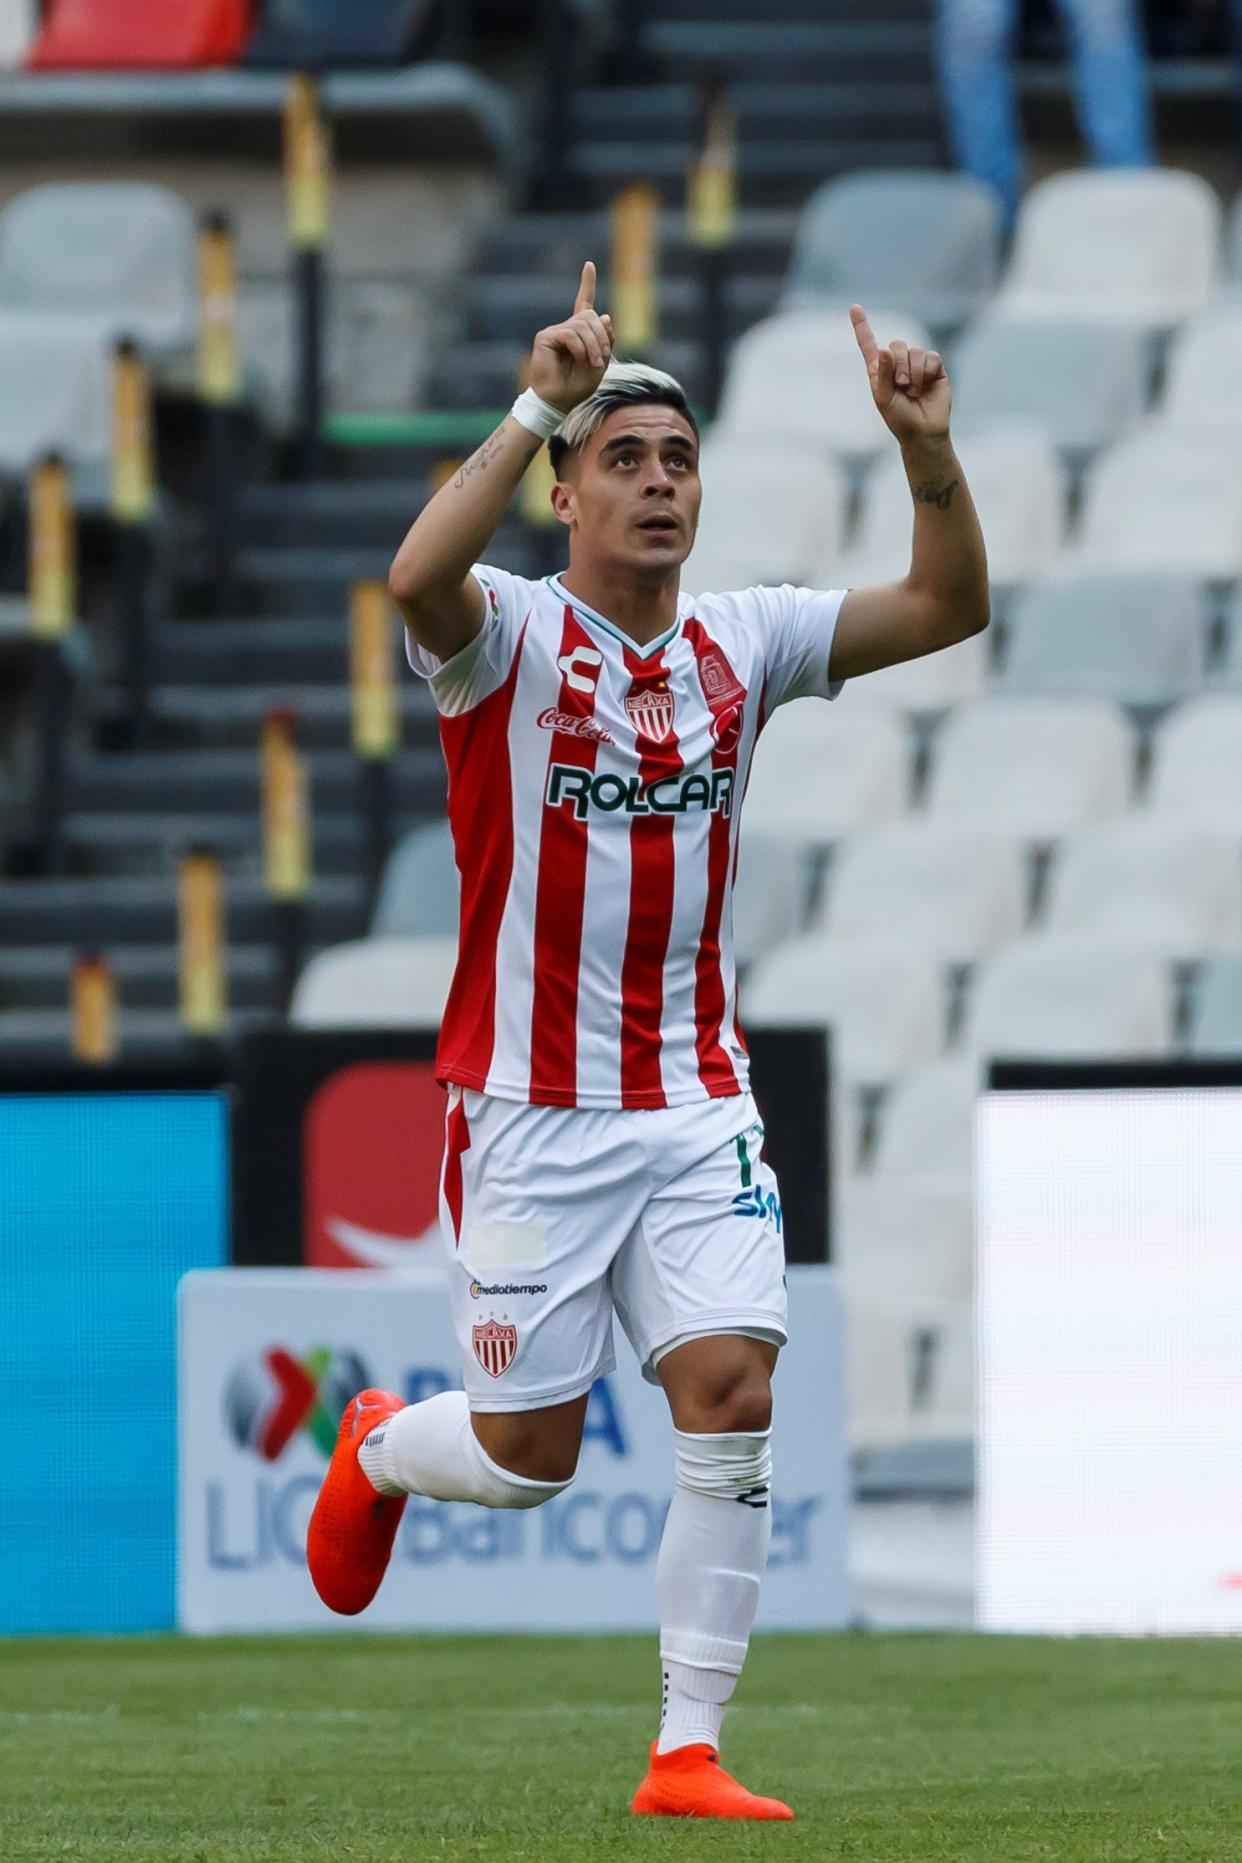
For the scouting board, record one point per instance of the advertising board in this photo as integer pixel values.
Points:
(269, 1357)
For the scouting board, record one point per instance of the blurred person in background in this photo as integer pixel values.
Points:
(603, 1150)
(975, 48)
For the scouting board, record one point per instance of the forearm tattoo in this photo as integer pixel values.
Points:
(939, 495)
(479, 462)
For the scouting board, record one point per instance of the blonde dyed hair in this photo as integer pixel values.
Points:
(624, 384)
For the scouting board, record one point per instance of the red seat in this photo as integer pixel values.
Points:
(134, 35)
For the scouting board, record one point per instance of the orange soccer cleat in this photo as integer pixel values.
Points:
(690, 1782)
(349, 1540)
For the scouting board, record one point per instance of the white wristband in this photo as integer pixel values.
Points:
(535, 414)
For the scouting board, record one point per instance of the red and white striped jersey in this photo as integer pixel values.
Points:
(594, 791)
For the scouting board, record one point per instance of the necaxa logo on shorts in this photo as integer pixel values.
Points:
(271, 1398)
(495, 1346)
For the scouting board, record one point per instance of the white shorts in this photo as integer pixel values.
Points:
(554, 1216)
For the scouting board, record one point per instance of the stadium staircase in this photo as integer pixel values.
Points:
(818, 92)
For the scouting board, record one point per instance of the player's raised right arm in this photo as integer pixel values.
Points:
(440, 601)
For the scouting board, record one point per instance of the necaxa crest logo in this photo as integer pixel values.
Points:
(271, 1398)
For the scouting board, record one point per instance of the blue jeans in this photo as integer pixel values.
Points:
(975, 49)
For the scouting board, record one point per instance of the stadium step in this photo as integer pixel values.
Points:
(37, 976)
(35, 1037)
(329, 514)
(877, 50)
(229, 780)
(194, 717)
(671, 112)
(771, 170)
(237, 652)
(781, 14)
(89, 913)
(554, 245)
(137, 841)
(517, 306)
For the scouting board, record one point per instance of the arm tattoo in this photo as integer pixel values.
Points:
(939, 495)
(479, 462)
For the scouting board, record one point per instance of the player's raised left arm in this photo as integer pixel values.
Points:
(944, 597)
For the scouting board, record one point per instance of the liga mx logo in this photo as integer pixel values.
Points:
(269, 1399)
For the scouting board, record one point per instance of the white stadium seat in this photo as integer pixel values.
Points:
(1153, 881)
(1163, 499)
(1198, 392)
(1136, 638)
(1033, 767)
(906, 1254)
(1079, 384)
(18, 19)
(927, 1124)
(1216, 1014)
(1196, 765)
(799, 377)
(1018, 486)
(1138, 247)
(772, 512)
(1051, 998)
(821, 769)
(376, 983)
(955, 893)
(55, 394)
(883, 1000)
(116, 256)
(769, 899)
(935, 681)
(419, 890)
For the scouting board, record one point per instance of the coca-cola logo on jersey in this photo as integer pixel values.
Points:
(553, 719)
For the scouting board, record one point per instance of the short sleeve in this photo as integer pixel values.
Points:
(459, 684)
(797, 626)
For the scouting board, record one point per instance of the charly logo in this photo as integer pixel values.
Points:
(553, 719)
(273, 1396)
(479, 1291)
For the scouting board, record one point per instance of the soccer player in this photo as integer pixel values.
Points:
(598, 727)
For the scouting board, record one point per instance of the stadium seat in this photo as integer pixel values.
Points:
(926, 241)
(1196, 765)
(927, 1124)
(906, 1253)
(772, 512)
(1155, 882)
(118, 256)
(376, 983)
(55, 394)
(1134, 247)
(1018, 486)
(17, 29)
(1079, 384)
(820, 770)
(935, 681)
(312, 35)
(1198, 391)
(418, 895)
(882, 999)
(799, 377)
(1060, 998)
(1139, 639)
(1032, 767)
(137, 35)
(1163, 499)
(1216, 1011)
(1228, 674)
(957, 894)
(769, 898)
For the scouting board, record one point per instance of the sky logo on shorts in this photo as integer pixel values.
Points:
(752, 1199)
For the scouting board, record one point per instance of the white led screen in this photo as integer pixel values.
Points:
(1109, 1361)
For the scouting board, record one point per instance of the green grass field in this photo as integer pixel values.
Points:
(389, 1750)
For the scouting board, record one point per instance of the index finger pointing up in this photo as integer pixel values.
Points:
(585, 299)
(866, 336)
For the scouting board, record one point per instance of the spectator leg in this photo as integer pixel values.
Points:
(974, 42)
(1110, 81)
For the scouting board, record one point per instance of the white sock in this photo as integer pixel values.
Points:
(711, 1562)
(431, 1448)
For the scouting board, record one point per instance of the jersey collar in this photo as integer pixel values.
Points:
(593, 615)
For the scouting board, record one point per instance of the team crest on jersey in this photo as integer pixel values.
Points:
(650, 711)
(495, 1347)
